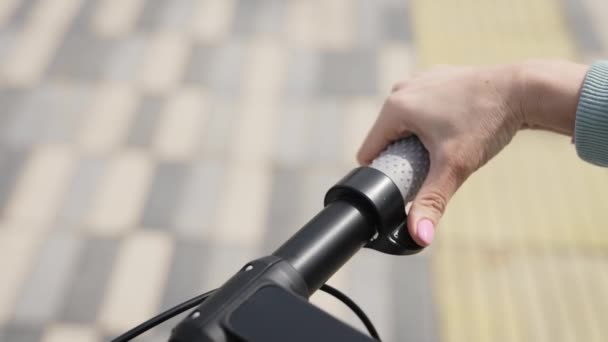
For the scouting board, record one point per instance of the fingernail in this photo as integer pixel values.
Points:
(426, 231)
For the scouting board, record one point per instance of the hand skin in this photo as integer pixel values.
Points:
(464, 116)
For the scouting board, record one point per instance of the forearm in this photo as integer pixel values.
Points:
(550, 94)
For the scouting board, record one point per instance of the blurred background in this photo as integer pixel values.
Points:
(149, 148)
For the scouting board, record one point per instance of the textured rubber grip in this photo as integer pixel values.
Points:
(406, 163)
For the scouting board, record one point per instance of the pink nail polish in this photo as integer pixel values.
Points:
(425, 231)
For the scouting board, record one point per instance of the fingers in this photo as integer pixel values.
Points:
(430, 202)
(389, 126)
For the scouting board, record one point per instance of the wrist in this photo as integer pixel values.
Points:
(549, 93)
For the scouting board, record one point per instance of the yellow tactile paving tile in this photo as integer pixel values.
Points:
(512, 294)
(164, 61)
(211, 20)
(118, 203)
(21, 241)
(70, 333)
(536, 191)
(41, 185)
(509, 262)
(111, 113)
(479, 31)
(137, 282)
(115, 18)
(181, 125)
(37, 42)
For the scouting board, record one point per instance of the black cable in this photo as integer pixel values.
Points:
(160, 318)
(176, 310)
(354, 307)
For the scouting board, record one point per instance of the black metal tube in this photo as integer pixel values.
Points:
(326, 242)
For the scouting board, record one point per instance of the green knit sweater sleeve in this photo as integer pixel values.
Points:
(591, 127)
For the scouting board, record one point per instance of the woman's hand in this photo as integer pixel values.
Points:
(464, 116)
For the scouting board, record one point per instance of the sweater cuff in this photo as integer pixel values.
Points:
(591, 125)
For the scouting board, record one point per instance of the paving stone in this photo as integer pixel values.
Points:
(124, 59)
(165, 189)
(218, 136)
(582, 27)
(11, 163)
(145, 124)
(81, 57)
(348, 73)
(397, 23)
(20, 14)
(91, 276)
(151, 14)
(258, 16)
(185, 278)
(48, 283)
(285, 197)
(412, 288)
(218, 67)
(197, 210)
(303, 75)
(21, 333)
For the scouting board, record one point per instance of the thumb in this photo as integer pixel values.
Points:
(429, 205)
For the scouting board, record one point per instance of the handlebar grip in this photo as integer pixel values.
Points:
(406, 163)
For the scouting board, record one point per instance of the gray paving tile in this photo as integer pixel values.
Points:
(124, 59)
(145, 123)
(396, 23)
(11, 162)
(218, 133)
(48, 283)
(178, 14)
(81, 57)
(581, 26)
(185, 279)
(326, 131)
(161, 204)
(15, 332)
(285, 200)
(165, 15)
(151, 15)
(317, 179)
(348, 73)
(198, 204)
(92, 273)
(302, 79)
(26, 126)
(293, 137)
(21, 14)
(259, 16)
(66, 116)
(7, 40)
(218, 67)
(414, 304)
(81, 190)
(49, 113)
(370, 277)
(224, 261)
(81, 22)
(10, 101)
(369, 23)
